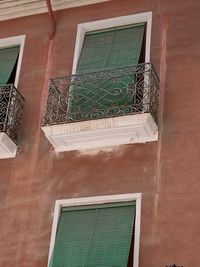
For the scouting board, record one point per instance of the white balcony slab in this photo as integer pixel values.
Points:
(8, 148)
(138, 128)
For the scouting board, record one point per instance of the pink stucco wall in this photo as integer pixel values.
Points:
(165, 172)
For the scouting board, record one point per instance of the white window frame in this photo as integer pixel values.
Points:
(59, 204)
(14, 41)
(83, 28)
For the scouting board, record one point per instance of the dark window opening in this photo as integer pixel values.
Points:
(13, 73)
(131, 253)
(143, 49)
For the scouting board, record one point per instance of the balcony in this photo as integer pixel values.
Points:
(11, 105)
(105, 108)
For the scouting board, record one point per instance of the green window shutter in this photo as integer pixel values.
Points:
(106, 50)
(94, 236)
(109, 49)
(8, 58)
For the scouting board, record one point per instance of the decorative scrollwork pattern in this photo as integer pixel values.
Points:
(103, 94)
(11, 105)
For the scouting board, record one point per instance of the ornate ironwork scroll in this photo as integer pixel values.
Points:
(11, 105)
(103, 94)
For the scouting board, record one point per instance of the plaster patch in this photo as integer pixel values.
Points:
(95, 151)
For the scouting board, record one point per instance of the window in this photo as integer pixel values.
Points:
(8, 64)
(111, 48)
(96, 234)
(118, 22)
(11, 51)
(107, 50)
(107, 46)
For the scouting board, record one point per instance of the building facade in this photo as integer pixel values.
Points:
(73, 141)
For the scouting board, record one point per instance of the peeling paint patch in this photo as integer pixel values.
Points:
(119, 150)
(95, 151)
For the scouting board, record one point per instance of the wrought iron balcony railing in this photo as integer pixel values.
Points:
(11, 105)
(103, 94)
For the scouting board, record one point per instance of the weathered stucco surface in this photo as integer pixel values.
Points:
(165, 172)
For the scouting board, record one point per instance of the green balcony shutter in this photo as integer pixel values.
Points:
(111, 49)
(94, 236)
(8, 58)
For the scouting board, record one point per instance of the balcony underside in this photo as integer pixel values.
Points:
(8, 148)
(137, 128)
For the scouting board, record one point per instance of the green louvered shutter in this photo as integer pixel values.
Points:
(94, 236)
(106, 50)
(109, 49)
(8, 58)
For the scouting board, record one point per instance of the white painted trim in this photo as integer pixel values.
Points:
(99, 200)
(12, 41)
(109, 23)
(8, 148)
(22, 8)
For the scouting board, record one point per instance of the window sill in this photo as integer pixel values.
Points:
(137, 128)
